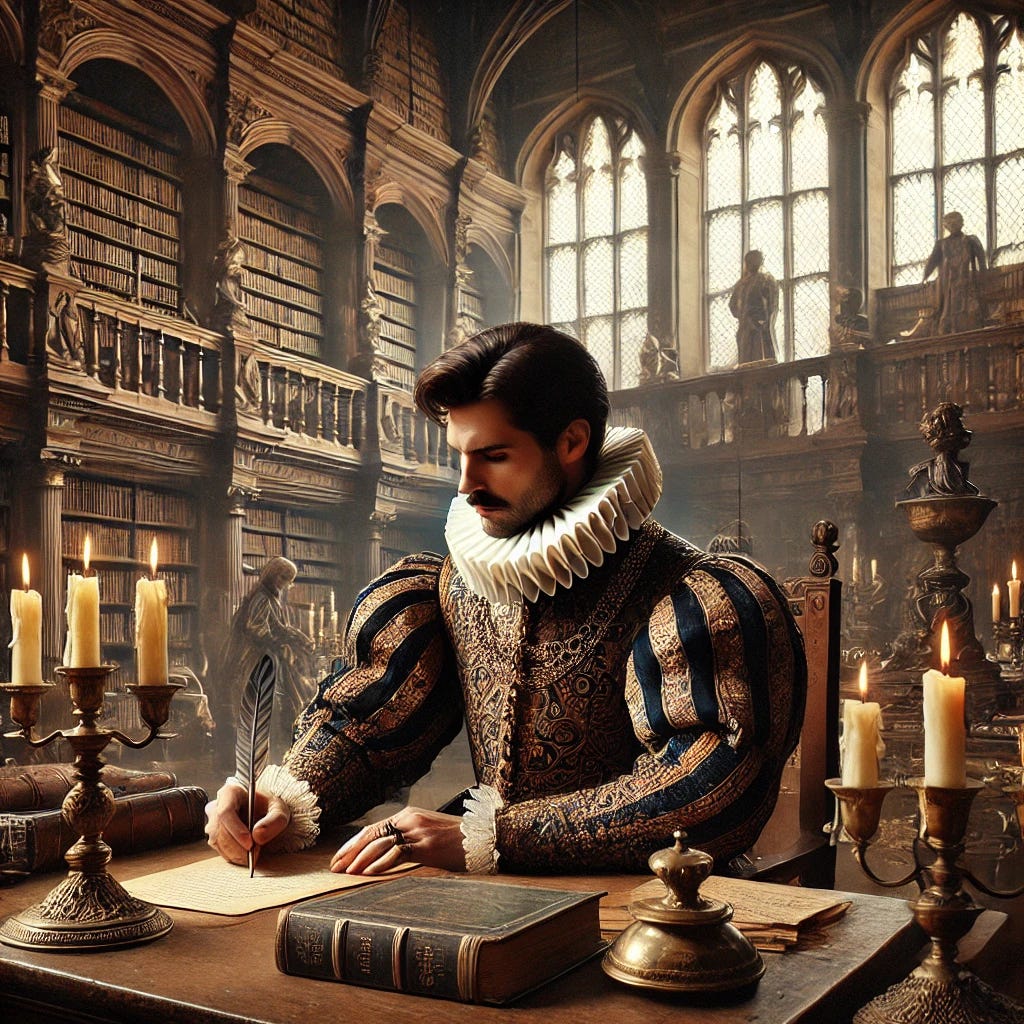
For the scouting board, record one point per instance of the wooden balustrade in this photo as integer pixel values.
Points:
(308, 398)
(406, 434)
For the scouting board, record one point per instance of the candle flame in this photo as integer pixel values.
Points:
(862, 685)
(86, 551)
(153, 557)
(1013, 568)
(944, 648)
(24, 569)
(995, 589)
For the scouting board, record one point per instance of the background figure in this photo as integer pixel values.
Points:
(755, 304)
(260, 626)
(958, 258)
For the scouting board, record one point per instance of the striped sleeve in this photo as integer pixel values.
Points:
(715, 685)
(381, 717)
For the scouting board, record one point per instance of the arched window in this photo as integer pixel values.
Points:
(956, 108)
(766, 188)
(595, 243)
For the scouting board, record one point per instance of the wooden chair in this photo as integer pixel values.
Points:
(794, 845)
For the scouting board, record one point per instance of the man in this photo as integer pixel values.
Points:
(616, 682)
(755, 304)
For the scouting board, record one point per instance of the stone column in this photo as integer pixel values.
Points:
(662, 263)
(847, 155)
(379, 520)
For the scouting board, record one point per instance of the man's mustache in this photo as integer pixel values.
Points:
(486, 499)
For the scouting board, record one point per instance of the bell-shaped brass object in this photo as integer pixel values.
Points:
(683, 942)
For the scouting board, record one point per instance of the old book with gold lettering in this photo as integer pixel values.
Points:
(454, 938)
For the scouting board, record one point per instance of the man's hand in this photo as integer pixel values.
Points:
(226, 830)
(413, 834)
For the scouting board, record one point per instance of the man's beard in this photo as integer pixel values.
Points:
(536, 504)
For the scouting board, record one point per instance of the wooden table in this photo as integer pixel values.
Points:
(214, 970)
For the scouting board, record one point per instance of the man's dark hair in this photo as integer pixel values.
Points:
(544, 378)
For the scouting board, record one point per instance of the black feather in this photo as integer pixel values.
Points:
(252, 740)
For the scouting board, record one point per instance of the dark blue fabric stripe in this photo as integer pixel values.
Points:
(754, 630)
(388, 577)
(648, 674)
(442, 706)
(696, 640)
(400, 665)
(383, 614)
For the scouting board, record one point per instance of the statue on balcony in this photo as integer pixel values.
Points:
(230, 311)
(658, 359)
(755, 304)
(64, 332)
(46, 245)
(943, 428)
(959, 259)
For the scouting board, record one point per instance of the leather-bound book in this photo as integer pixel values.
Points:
(38, 841)
(454, 938)
(42, 787)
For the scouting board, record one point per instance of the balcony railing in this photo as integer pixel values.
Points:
(302, 396)
(409, 437)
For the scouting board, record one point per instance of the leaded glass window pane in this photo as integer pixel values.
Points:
(607, 197)
(810, 141)
(562, 288)
(598, 278)
(963, 189)
(722, 340)
(1010, 210)
(810, 317)
(810, 226)
(597, 336)
(765, 167)
(633, 271)
(724, 169)
(766, 234)
(725, 249)
(632, 332)
(976, 91)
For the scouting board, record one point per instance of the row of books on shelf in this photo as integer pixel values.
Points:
(400, 333)
(99, 133)
(287, 316)
(112, 175)
(273, 287)
(394, 284)
(403, 313)
(159, 296)
(293, 523)
(271, 208)
(117, 625)
(270, 544)
(124, 541)
(397, 352)
(121, 232)
(285, 338)
(275, 237)
(151, 810)
(391, 258)
(398, 375)
(5, 130)
(471, 304)
(93, 195)
(276, 263)
(103, 278)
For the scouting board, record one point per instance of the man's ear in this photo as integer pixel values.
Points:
(572, 443)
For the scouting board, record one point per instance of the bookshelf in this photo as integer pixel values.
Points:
(10, 574)
(121, 520)
(471, 307)
(308, 538)
(283, 236)
(6, 173)
(124, 204)
(395, 281)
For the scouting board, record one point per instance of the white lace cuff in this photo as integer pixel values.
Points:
(303, 824)
(479, 833)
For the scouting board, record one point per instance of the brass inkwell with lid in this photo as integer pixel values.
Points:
(683, 942)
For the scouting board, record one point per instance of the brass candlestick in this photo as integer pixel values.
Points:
(89, 910)
(939, 989)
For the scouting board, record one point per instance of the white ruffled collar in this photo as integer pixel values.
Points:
(618, 498)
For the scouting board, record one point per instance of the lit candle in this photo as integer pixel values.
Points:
(334, 623)
(312, 622)
(862, 740)
(945, 740)
(83, 614)
(855, 570)
(151, 626)
(997, 604)
(874, 569)
(27, 627)
(1013, 589)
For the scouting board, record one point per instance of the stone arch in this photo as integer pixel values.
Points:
(12, 42)
(488, 242)
(424, 213)
(183, 93)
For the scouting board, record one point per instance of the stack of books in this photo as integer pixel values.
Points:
(151, 810)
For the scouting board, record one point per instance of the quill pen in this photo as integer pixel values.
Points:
(252, 740)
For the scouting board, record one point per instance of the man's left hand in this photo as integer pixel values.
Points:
(413, 834)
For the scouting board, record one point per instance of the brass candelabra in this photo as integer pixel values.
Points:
(939, 989)
(89, 910)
